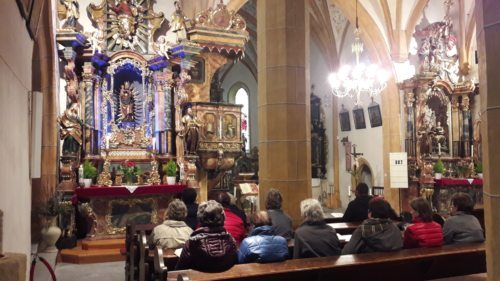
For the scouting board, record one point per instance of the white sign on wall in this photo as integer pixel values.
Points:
(399, 169)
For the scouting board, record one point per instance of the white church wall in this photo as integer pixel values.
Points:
(319, 72)
(15, 82)
(368, 141)
(240, 73)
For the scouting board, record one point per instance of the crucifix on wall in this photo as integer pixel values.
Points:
(348, 154)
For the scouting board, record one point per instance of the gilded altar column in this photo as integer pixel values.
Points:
(283, 102)
(410, 123)
(488, 28)
(455, 132)
(466, 126)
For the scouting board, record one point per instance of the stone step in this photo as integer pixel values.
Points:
(88, 244)
(80, 256)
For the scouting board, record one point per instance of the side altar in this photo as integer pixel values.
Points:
(137, 90)
(108, 210)
(441, 121)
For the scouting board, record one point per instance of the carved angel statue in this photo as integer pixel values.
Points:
(95, 40)
(72, 13)
(161, 46)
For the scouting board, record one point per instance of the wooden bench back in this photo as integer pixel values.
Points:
(410, 264)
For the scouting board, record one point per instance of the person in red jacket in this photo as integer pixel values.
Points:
(423, 232)
(233, 223)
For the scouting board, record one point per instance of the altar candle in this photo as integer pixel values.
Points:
(439, 149)
(107, 141)
(472, 151)
(349, 192)
(153, 142)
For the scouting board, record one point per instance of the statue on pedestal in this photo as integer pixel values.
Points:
(71, 129)
(72, 13)
(191, 129)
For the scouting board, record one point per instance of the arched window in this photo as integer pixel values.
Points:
(238, 94)
(242, 98)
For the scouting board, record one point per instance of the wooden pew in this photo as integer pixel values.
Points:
(133, 249)
(344, 227)
(410, 264)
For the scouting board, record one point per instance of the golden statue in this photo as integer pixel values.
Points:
(71, 129)
(178, 22)
(72, 9)
(127, 103)
(191, 131)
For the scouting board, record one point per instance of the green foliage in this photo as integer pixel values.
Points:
(479, 168)
(55, 206)
(89, 171)
(438, 167)
(170, 168)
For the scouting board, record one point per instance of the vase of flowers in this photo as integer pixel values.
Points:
(130, 171)
(89, 172)
(170, 170)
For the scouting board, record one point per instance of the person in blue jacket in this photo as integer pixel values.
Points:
(262, 245)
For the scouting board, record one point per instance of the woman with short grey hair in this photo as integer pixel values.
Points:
(210, 248)
(173, 232)
(314, 238)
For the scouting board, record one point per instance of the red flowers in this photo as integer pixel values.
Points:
(129, 163)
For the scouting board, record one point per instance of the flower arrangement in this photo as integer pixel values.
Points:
(129, 170)
(478, 168)
(438, 167)
(170, 168)
(89, 171)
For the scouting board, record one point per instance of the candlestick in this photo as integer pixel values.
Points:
(439, 149)
(349, 192)
(472, 151)
(153, 143)
(107, 141)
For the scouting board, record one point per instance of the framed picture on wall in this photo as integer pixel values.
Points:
(374, 115)
(359, 117)
(345, 122)
(197, 72)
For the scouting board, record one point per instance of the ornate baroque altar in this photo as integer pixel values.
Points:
(133, 95)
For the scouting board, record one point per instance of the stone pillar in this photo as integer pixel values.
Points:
(488, 28)
(283, 102)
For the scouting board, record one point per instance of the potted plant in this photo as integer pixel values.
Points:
(130, 171)
(89, 172)
(479, 170)
(170, 170)
(438, 169)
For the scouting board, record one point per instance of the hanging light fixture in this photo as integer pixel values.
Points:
(352, 81)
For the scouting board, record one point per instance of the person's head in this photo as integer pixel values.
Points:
(260, 218)
(176, 210)
(462, 202)
(224, 199)
(379, 208)
(362, 189)
(274, 199)
(422, 208)
(211, 213)
(311, 210)
(189, 195)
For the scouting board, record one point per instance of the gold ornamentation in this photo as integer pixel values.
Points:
(90, 214)
(154, 177)
(112, 229)
(104, 178)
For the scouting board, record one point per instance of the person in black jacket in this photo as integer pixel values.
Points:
(357, 210)
(377, 233)
(189, 198)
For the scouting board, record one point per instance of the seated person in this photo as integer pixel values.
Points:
(462, 227)
(173, 232)
(189, 198)
(210, 248)
(357, 210)
(377, 233)
(233, 223)
(262, 245)
(423, 232)
(282, 222)
(314, 238)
